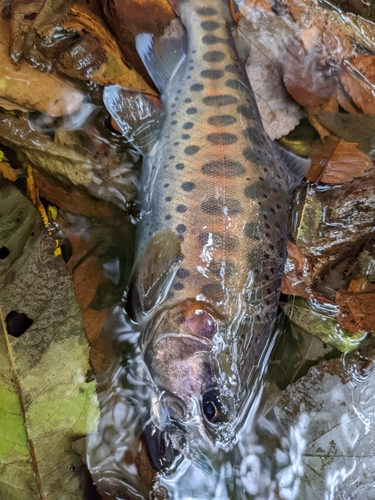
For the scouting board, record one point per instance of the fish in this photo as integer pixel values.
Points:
(211, 243)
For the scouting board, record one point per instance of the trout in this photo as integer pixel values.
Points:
(211, 243)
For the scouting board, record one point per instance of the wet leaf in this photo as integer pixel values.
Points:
(357, 76)
(107, 178)
(46, 401)
(352, 128)
(329, 418)
(34, 91)
(297, 273)
(279, 113)
(345, 164)
(357, 306)
(320, 319)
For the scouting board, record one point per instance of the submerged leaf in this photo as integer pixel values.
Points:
(358, 78)
(45, 400)
(329, 417)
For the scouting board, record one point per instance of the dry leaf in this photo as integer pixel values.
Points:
(357, 76)
(345, 164)
(28, 88)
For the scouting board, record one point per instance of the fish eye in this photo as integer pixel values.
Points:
(212, 408)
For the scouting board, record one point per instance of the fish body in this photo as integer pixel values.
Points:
(215, 191)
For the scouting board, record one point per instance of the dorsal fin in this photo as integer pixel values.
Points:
(161, 56)
(138, 116)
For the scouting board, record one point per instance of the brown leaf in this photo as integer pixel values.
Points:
(329, 105)
(296, 273)
(28, 88)
(357, 306)
(249, 5)
(307, 76)
(357, 75)
(320, 153)
(345, 164)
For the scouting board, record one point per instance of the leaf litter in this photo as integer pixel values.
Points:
(317, 62)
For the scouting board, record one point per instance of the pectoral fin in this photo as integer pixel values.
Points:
(296, 167)
(138, 116)
(154, 273)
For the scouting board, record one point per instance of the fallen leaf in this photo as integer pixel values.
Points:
(320, 319)
(345, 164)
(320, 152)
(47, 402)
(329, 424)
(357, 75)
(296, 273)
(357, 306)
(28, 88)
(265, 35)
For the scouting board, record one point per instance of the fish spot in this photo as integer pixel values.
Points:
(221, 205)
(277, 224)
(188, 125)
(245, 111)
(191, 150)
(278, 206)
(213, 291)
(272, 210)
(191, 68)
(187, 186)
(269, 291)
(185, 136)
(235, 84)
(187, 100)
(226, 242)
(207, 11)
(181, 228)
(173, 114)
(174, 122)
(176, 143)
(231, 68)
(253, 259)
(168, 198)
(212, 74)
(214, 56)
(254, 190)
(178, 286)
(182, 273)
(221, 120)
(212, 40)
(251, 230)
(266, 256)
(191, 111)
(168, 217)
(166, 185)
(267, 226)
(226, 168)
(180, 166)
(210, 25)
(219, 100)
(225, 269)
(171, 157)
(271, 247)
(196, 87)
(255, 156)
(222, 138)
(181, 208)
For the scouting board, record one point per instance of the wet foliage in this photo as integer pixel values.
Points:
(68, 189)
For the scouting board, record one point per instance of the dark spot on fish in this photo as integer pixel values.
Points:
(226, 269)
(226, 242)
(178, 286)
(168, 217)
(272, 210)
(188, 77)
(181, 228)
(266, 255)
(174, 122)
(219, 100)
(231, 68)
(176, 143)
(187, 186)
(185, 136)
(196, 87)
(166, 185)
(245, 111)
(180, 166)
(212, 74)
(179, 91)
(253, 257)
(278, 207)
(221, 121)
(267, 226)
(181, 238)
(222, 138)
(269, 291)
(165, 166)
(255, 156)
(181, 208)
(213, 291)
(271, 247)
(191, 150)
(221, 205)
(207, 11)
(254, 190)
(214, 56)
(277, 224)
(170, 295)
(191, 68)
(182, 273)
(172, 157)
(228, 168)
(266, 277)
(188, 125)
(252, 230)
(187, 100)
(212, 39)
(168, 198)
(235, 84)
(191, 111)
(210, 25)
(272, 270)
(173, 114)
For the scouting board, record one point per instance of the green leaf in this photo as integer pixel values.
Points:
(320, 320)
(45, 400)
(329, 419)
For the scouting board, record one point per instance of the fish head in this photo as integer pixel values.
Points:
(180, 358)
